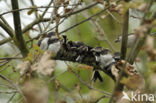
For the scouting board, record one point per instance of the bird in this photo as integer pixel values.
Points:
(131, 39)
(96, 75)
(103, 58)
(54, 45)
(50, 42)
(116, 56)
(43, 43)
(80, 48)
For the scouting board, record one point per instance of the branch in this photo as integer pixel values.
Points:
(7, 29)
(29, 26)
(86, 84)
(133, 53)
(39, 7)
(86, 19)
(119, 86)
(140, 41)
(125, 36)
(75, 25)
(51, 1)
(18, 32)
(78, 52)
(36, 14)
(6, 23)
(100, 31)
(10, 58)
(65, 15)
(5, 41)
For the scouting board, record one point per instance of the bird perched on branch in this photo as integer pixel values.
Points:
(80, 48)
(51, 42)
(131, 39)
(103, 58)
(130, 42)
(80, 52)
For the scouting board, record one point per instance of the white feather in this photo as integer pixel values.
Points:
(105, 60)
(97, 58)
(54, 47)
(44, 44)
(131, 40)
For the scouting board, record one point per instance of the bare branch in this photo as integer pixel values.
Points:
(18, 32)
(7, 29)
(140, 41)
(6, 23)
(86, 84)
(36, 14)
(125, 36)
(39, 7)
(29, 26)
(86, 19)
(101, 32)
(118, 86)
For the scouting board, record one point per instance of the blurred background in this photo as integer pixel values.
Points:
(63, 86)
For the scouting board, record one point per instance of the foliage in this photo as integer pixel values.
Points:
(29, 74)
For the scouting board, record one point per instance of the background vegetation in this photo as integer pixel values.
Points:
(22, 22)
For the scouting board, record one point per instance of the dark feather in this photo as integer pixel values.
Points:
(96, 76)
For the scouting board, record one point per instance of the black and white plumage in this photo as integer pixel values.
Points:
(104, 59)
(131, 40)
(50, 43)
(96, 75)
(116, 56)
(54, 45)
(80, 48)
(103, 56)
(99, 58)
(43, 43)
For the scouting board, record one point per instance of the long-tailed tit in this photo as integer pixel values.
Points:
(131, 39)
(50, 42)
(103, 58)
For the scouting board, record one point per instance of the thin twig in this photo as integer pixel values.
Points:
(36, 15)
(4, 68)
(101, 32)
(85, 19)
(9, 92)
(9, 58)
(7, 29)
(85, 83)
(39, 7)
(139, 41)
(113, 17)
(29, 26)
(5, 62)
(11, 98)
(125, 36)
(104, 96)
(118, 86)
(6, 23)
